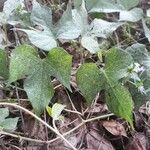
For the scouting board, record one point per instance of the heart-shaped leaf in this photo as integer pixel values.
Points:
(25, 61)
(91, 80)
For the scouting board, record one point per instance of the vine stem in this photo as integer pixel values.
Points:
(81, 124)
(40, 120)
(21, 137)
(47, 125)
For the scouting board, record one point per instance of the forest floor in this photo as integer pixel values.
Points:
(94, 128)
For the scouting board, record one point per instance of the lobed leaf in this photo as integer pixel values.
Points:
(25, 61)
(89, 81)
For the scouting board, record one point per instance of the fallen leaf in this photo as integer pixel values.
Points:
(115, 128)
(139, 142)
(96, 142)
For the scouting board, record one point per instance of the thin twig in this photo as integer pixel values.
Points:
(74, 108)
(45, 119)
(81, 124)
(40, 120)
(75, 112)
(21, 114)
(48, 126)
(21, 137)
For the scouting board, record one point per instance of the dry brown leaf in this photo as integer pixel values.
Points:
(115, 128)
(145, 109)
(96, 142)
(139, 142)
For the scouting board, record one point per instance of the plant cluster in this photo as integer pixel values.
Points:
(121, 71)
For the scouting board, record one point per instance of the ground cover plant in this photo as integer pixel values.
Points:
(74, 74)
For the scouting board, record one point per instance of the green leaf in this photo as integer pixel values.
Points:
(57, 110)
(102, 28)
(133, 15)
(10, 6)
(121, 6)
(66, 27)
(148, 13)
(9, 123)
(146, 30)
(138, 52)
(107, 6)
(128, 4)
(61, 63)
(116, 67)
(86, 41)
(98, 28)
(41, 15)
(117, 62)
(49, 110)
(80, 18)
(39, 88)
(3, 64)
(89, 81)
(120, 102)
(23, 62)
(8, 10)
(77, 3)
(42, 39)
(4, 113)
(138, 98)
(2, 37)
(141, 55)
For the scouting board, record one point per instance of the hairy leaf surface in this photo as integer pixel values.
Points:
(89, 81)
(3, 64)
(25, 62)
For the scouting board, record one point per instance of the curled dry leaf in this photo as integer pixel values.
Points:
(139, 142)
(95, 141)
(115, 128)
